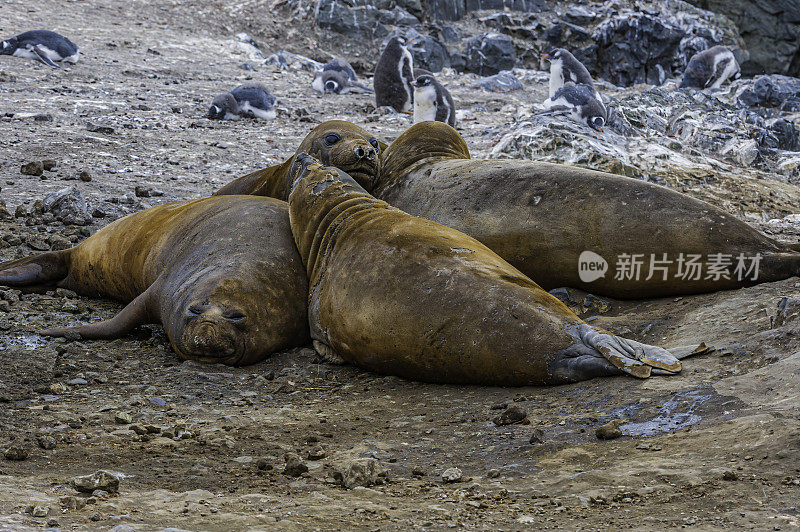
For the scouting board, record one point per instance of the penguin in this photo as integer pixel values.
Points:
(581, 103)
(393, 76)
(432, 101)
(564, 68)
(337, 77)
(710, 68)
(43, 45)
(250, 100)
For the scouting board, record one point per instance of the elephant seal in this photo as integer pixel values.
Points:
(401, 295)
(221, 274)
(336, 143)
(567, 226)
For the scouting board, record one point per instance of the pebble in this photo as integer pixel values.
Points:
(730, 475)
(40, 511)
(58, 388)
(49, 164)
(84, 176)
(316, 453)
(15, 453)
(537, 436)
(511, 416)
(142, 191)
(294, 465)
(610, 430)
(452, 474)
(99, 480)
(98, 128)
(46, 441)
(263, 464)
(68, 502)
(35, 168)
(363, 472)
(122, 418)
(493, 473)
(77, 380)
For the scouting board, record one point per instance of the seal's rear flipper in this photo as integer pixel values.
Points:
(41, 55)
(327, 352)
(38, 271)
(136, 313)
(630, 356)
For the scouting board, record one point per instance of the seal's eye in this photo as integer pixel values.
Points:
(374, 143)
(234, 316)
(195, 310)
(332, 138)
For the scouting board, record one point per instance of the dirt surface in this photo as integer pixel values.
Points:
(202, 447)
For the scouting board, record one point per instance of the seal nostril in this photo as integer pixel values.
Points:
(371, 153)
(360, 153)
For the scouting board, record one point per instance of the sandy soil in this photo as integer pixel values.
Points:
(715, 447)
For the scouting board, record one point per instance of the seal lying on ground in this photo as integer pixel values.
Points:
(336, 143)
(402, 295)
(221, 274)
(567, 226)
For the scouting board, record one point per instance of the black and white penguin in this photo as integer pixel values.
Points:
(250, 100)
(337, 77)
(581, 104)
(393, 76)
(43, 45)
(564, 68)
(710, 68)
(432, 101)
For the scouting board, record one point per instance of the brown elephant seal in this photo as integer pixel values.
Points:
(336, 143)
(221, 274)
(567, 226)
(402, 295)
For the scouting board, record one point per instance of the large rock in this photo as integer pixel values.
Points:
(68, 206)
(771, 91)
(488, 54)
(360, 20)
(428, 52)
(770, 29)
(456, 9)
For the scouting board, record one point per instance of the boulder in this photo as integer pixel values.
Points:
(771, 91)
(489, 53)
(359, 20)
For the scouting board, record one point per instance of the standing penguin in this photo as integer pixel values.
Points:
(564, 68)
(337, 77)
(43, 45)
(432, 101)
(393, 76)
(581, 104)
(250, 100)
(710, 68)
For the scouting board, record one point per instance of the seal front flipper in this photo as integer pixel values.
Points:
(136, 313)
(327, 352)
(41, 55)
(42, 270)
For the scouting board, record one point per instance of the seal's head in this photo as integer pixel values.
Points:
(425, 141)
(347, 147)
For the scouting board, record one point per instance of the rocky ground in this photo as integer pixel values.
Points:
(295, 443)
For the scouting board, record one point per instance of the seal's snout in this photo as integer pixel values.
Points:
(365, 153)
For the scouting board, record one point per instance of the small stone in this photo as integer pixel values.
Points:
(46, 442)
(99, 480)
(35, 168)
(49, 164)
(730, 475)
(141, 430)
(263, 465)
(493, 473)
(294, 465)
(68, 502)
(52, 523)
(20, 212)
(84, 175)
(99, 213)
(610, 430)
(40, 511)
(99, 128)
(418, 471)
(316, 453)
(511, 416)
(122, 418)
(78, 380)
(364, 472)
(15, 453)
(452, 474)
(537, 437)
(57, 388)
(142, 191)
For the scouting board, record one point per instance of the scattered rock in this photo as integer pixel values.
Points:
(40, 510)
(452, 474)
(16, 453)
(46, 442)
(294, 465)
(143, 191)
(493, 473)
(99, 480)
(511, 416)
(502, 82)
(316, 453)
(770, 91)
(68, 206)
(99, 128)
(35, 168)
(610, 430)
(537, 437)
(84, 176)
(359, 20)
(68, 502)
(49, 164)
(730, 475)
(364, 472)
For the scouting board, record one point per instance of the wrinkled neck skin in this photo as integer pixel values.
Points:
(196, 317)
(321, 201)
(422, 143)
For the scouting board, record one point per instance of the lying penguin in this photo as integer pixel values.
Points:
(432, 101)
(337, 77)
(43, 45)
(580, 103)
(250, 100)
(710, 68)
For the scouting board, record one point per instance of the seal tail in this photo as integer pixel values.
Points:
(38, 271)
